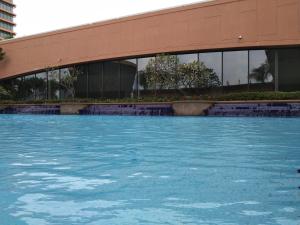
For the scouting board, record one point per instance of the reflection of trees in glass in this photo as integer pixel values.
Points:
(41, 86)
(264, 73)
(160, 73)
(68, 80)
(197, 75)
(165, 72)
(4, 93)
(28, 87)
(7, 90)
(53, 83)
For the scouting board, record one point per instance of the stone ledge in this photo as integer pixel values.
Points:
(191, 108)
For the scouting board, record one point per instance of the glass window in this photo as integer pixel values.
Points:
(128, 78)
(111, 79)
(213, 62)
(53, 84)
(144, 73)
(41, 86)
(262, 69)
(68, 79)
(18, 87)
(29, 87)
(9, 86)
(235, 68)
(188, 71)
(289, 69)
(187, 58)
(166, 75)
(95, 80)
(159, 73)
(81, 84)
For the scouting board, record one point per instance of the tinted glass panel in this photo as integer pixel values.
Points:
(128, 78)
(41, 86)
(188, 71)
(187, 58)
(29, 87)
(81, 82)
(166, 75)
(111, 80)
(289, 69)
(144, 70)
(10, 87)
(68, 79)
(235, 68)
(262, 69)
(53, 84)
(95, 80)
(213, 62)
(18, 87)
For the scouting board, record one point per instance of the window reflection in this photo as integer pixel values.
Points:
(144, 84)
(187, 58)
(95, 80)
(111, 79)
(81, 83)
(289, 69)
(29, 87)
(188, 71)
(159, 73)
(260, 67)
(10, 89)
(187, 74)
(128, 78)
(41, 86)
(68, 79)
(53, 84)
(235, 68)
(18, 87)
(213, 61)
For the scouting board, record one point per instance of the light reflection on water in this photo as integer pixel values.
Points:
(148, 170)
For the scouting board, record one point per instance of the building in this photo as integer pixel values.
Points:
(219, 46)
(7, 19)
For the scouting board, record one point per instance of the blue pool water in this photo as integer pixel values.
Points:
(148, 170)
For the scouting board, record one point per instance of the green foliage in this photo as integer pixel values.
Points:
(248, 96)
(262, 74)
(244, 96)
(160, 73)
(4, 94)
(165, 72)
(68, 80)
(197, 75)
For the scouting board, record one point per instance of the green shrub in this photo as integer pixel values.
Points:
(4, 94)
(247, 96)
(243, 96)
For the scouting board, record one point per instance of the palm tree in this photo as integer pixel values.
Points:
(262, 73)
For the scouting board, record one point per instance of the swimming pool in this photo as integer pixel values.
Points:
(149, 170)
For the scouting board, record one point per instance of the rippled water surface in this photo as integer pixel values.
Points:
(148, 170)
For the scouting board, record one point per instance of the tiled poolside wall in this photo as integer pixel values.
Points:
(274, 109)
(192, 108)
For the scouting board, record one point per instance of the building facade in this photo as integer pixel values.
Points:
(215, 46)
(7, 19)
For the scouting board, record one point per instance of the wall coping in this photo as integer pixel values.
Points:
(157, 103)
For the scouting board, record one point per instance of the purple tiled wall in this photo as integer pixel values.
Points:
(255, 109)
(31, 109)
(129, 109)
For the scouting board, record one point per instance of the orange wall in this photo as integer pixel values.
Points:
(212, 25)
